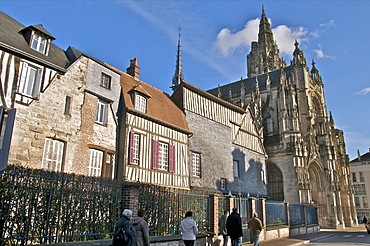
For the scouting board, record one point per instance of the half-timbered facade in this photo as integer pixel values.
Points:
(226, 150)
(153, 134)
(65, 100)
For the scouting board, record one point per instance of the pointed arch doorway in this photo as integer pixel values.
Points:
(275, 184)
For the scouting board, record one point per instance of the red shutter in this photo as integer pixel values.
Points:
(171, 166)
(131, 149)
(155, 154)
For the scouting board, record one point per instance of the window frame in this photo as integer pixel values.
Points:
(196, 164)
(102, 112)
(236, 169)
(163, 159)
(354, 178)
(29, 85)
(223, 184)
(141, 102)
(96, 157)
(163, 156)
(51, 155)
(106, 81)
(39, 43)
(134, 151)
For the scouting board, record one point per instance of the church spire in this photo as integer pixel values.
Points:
(178, 77)
(264, 56)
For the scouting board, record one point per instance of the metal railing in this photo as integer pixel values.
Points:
(276, 213)
(40, 206)
(302, 214)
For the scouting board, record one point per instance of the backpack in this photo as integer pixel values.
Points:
(121, 234)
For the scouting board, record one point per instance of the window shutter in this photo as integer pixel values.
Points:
(36, 88)
(131, 150)
(155, 154)
(171, 166)
(22, 78)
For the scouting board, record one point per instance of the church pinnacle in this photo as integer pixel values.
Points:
(178, 77)
(265, 55)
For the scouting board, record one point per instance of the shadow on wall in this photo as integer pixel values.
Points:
(248, 177)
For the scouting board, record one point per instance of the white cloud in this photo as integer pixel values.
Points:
(356, 141)
(323, 28)
(228, 42)
(320, 54)
(363, 91)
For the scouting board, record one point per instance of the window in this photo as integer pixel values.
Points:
(67, 105)
(163, 156)
(195, 160)
(366, 204)
(134, 152)
(357, 202)
(29, 83)
(109, 166)
(236, 169)
(359, 189)
(140, 103)
(354, 180)
(362, 179)
(38, 43)
(95, 162)
(102, 113)
(222, 184)
(52, 158)
(105, 81)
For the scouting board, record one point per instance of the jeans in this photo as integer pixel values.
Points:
(189, 242)
(256, 239)
(225, 240)
(236, 241)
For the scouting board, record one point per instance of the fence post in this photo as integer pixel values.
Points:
(229, 203)
(131, 199)
(214, 213)
(287, 212)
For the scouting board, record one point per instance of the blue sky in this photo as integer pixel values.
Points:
(215, 38)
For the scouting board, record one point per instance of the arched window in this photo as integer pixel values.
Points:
(275, 184)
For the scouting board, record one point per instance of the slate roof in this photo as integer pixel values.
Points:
(13, 41)
(364, 157)
(160, 107)
(249, 83)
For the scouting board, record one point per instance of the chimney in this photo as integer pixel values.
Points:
(358, 155)
(134, 69)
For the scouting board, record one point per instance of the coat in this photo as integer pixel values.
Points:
(255, 226)
(126, 224)
(222, 225)
(234, 226)
(141, 231)
(189, 229)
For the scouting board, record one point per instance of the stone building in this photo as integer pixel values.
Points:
(65, 102)
(360, 173)
(307, 162)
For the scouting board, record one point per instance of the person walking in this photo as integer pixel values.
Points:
(255, 228)
(125, 223)
(234, 228)
(141, 229)
(222, 226)
(189, 229)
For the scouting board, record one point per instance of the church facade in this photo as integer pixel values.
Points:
(307, 161)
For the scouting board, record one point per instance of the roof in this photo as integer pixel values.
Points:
(159, 107)
(13, 41)
(364, 157)
(250, 83)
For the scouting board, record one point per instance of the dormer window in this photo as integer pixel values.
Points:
(140, 103)
(39, 43)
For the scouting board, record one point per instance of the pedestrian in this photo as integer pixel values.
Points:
(189, 229)
(141, 229)
(234, 228)
(255, 228)
(364, 220)
(222, 227)
(125, 223)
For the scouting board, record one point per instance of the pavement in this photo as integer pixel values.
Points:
(310, 238)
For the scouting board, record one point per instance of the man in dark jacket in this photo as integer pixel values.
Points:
(234, 228)
(125, 223)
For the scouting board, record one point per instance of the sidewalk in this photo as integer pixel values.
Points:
(306, 239)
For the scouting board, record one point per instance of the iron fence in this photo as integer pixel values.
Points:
(311, 215)
(166, 208)
(42, 207)
(276, 213)
(296, 214)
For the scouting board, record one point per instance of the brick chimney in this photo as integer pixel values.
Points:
(134, 69)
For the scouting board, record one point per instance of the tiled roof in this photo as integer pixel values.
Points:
(364, 157)
(159, 105)
(12, 40)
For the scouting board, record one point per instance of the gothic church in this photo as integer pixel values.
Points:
(307, 161)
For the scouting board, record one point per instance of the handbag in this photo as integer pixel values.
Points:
(121, 234)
